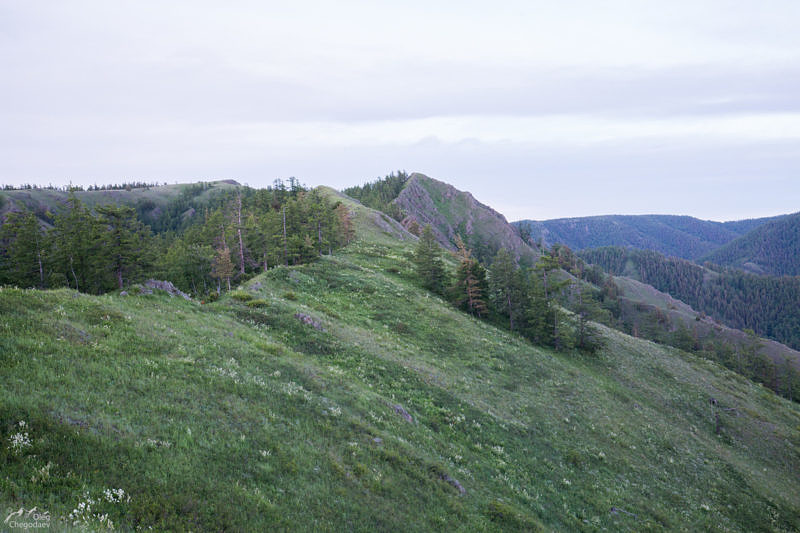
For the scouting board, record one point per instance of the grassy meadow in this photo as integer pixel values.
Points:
(385, 409)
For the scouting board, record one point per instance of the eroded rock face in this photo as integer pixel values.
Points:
(451, 212)
(167, 287)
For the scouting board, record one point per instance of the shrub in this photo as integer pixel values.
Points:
(242, 296)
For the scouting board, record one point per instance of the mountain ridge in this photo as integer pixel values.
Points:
(452, 213)
(375, 418)
(674, 235)
(772, 248)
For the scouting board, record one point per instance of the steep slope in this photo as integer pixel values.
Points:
(678, 236)
(772, 248)
(452, 213)
(643, 303)
(765, 304)
(339, 396)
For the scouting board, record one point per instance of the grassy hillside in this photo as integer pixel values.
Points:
(384, 409)
(772, 248)
(678, 236)
(453, 213)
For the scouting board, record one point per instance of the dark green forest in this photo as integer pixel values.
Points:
(768, 305)
(239, 233)
(773, 248)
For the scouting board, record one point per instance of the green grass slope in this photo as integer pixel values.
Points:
(238, 416)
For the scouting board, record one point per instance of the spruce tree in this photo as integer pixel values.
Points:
(23, 247)
(222, 267)
(506, 288)
(470, 285)
(124, 241)
(428, 260)
(75, 246)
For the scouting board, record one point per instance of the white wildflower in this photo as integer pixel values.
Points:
(19, 441)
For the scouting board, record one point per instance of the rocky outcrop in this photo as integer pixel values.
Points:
(451, 212)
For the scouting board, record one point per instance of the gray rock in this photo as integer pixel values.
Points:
(306, 319)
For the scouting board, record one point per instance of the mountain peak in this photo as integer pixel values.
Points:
(451, 213)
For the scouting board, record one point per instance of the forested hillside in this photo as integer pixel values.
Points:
(772, 248)
(678, 236)
(162, 207)
(767, 305)
(240, 231)
(342, 395)
(528, 296)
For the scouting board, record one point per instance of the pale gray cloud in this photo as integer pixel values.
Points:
(542, 109)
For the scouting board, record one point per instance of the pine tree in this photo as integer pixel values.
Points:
(222, 267)
(23, 246)
(345, 221)
(506, 288)
(124, 241)
(470, 285)
(546, 319)
(428, 260)
(75, 246)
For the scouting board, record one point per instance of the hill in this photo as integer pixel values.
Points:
(772, 248)
(765, 304)
(161, 207)
(338, 395)
(676, 323)
(678, 236)
(452, 213)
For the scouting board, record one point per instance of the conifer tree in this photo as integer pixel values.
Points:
(222, 267)
(470, 287)
(23, 246)
(345, 221)
(74, 246)
(428, 260)
(124, 241)
(506, 288)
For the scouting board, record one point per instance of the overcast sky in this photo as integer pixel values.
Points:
(541, 109)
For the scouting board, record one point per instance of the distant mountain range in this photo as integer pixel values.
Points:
(647, 280)
(771, 248)
(679, 236)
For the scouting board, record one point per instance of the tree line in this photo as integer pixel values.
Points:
(733, 297)
(766, 304)
(380, 193)
(240, 233)
(553, 302)
(526, 300)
